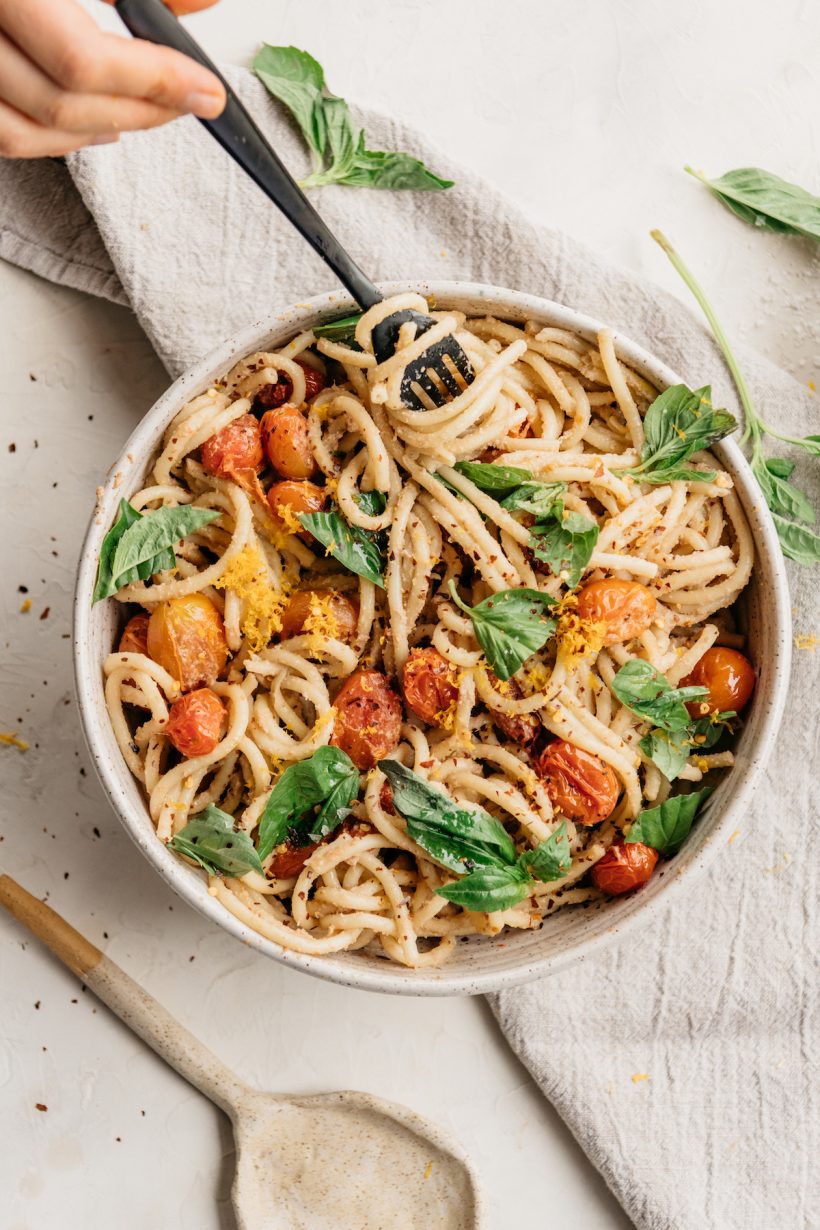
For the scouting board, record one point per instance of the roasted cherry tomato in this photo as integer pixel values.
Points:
(288, 498)
(729, 677)
(134, 638)
(386, 799)
(271, 395)
(235, 451)
(581, 786)
(368, 718)
(626, 865)
(286, 443)
(196, 722)
(626, 607)
(288, 861)
(187, 637)
(430, 685)
(520, 728)
(328, 607)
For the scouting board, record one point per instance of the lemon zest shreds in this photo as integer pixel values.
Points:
(247, 576)
(12, 740)
(289, 518)
(321, 623)
(806, 640)
(536, 678)
(578, 638)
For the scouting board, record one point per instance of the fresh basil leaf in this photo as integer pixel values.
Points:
(211, 840)
(325, 777)
(459, 838)
(356, 549)
(385, 169)
(105, 586)
(488, 889)
(551, 859)
(153, 535)
(542, 500)
(510, 626)
(495, 480)
(781, 467)
(706, 731)
(781, 496)
(669, 752)
(645, 691)
(373, 503)
(679, 422)
(566, 543)
(343, 330)
(665, 828)
(341, 136)
(767, 201)
(297, 80)
(797, 541)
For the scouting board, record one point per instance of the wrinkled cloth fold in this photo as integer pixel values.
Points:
(684, 1057)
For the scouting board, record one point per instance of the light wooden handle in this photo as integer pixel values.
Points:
(126, 999)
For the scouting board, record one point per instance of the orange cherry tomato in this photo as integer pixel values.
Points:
(368, 718)
(286, 443)
(187, 637)
(235, 451)
(626, 607)
(581, 786)
(288, 498)
(196, 722)
(729, 677)
(521, 728)
(626, 865)
(271, 395)
(341, 610)
(430, 685)
(134, 638)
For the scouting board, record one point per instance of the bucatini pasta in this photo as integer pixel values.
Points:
(518, 604)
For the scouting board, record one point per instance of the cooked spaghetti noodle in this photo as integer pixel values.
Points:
(544, 400)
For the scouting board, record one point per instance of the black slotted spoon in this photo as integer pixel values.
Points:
(440, 372)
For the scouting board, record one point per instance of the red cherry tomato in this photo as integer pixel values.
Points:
(386, 799)
(626, 865)
(625, 607)
(581, 786)
(271, 395)
(196, 722)
(729, 677)
(134, 638)
(288, 861)
(430, 685)
(235, 451)
(286, 443)
(187, 637)
(368, 718)
(520, 728)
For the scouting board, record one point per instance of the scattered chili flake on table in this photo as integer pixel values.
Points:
(40, 1106)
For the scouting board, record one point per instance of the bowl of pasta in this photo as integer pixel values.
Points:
(430, 701)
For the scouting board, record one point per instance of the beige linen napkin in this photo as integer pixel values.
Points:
(684, 1059)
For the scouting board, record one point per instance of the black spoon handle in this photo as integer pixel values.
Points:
(237, 133)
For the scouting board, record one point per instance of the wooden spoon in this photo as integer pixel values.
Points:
(330, 1161)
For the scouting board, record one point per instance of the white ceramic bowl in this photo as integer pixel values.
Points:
(480, 964)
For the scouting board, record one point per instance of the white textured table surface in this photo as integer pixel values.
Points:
(583, 113)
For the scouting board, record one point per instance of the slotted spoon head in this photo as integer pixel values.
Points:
(436, 376)
(347, 1161)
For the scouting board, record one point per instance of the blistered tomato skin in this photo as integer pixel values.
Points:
(196, 722)
(288, 861)
(624, 867)
(289, 498)
(368, 718)
(581, 786)
(186, 636)
(626, 608)
(430, 685)
(520, 728)
(134, 638)
(272, 395)
(342, 611)
(235, 451)
(286, 443)
(729, 677)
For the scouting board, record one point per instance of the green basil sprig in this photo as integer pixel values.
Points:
(788, 504)
(645, 691)
(665, 828)
(513, 487)
(677, 424)
(510, 626)
(211, 840)
(765, 200)
(358, 550)
(310, 800)
(340, 153)
(469, 840)
(139, 545)
(342, 330)
(670, 750)
(565, 541)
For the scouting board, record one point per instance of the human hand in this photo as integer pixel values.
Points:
(65, 84)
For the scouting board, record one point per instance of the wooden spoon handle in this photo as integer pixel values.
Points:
(126, 999)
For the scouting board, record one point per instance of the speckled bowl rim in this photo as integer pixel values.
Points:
(714, 826)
